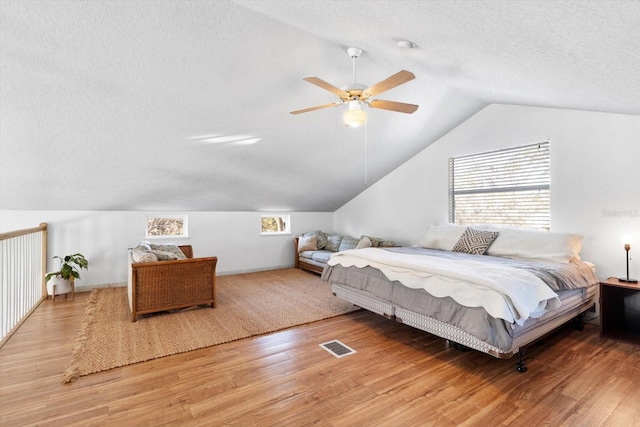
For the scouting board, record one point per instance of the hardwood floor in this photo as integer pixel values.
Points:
(399, 376)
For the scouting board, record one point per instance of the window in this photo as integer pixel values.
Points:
(505, 187)
(167, 226)
(275, 224)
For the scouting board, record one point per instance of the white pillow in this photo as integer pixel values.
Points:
(538, 245)
(364, 243)
(443, 237)
(308, 243)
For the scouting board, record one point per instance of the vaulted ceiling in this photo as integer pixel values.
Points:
(184, 105)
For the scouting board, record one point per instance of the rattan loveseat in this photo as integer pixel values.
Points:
(168, 285)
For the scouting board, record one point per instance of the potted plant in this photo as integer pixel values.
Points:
(69, 271)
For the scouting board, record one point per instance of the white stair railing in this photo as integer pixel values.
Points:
(23, 261)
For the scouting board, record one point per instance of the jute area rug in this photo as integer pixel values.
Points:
(247, 305)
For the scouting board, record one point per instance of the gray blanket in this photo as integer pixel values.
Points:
(476, 321)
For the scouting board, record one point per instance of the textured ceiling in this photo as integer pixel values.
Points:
(106, 105)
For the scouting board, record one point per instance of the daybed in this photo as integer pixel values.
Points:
(494, 290)
(313, 249)
(168, 278)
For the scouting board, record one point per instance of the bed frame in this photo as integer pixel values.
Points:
(572, 308)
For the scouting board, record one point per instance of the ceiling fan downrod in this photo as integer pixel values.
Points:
(354, 53)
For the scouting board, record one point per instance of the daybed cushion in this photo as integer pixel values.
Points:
(321, 256)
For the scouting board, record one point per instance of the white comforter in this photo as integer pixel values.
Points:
(504, 292)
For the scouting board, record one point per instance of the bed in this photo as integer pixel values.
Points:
(496, 292)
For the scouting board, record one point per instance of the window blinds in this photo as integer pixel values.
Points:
(505, 187)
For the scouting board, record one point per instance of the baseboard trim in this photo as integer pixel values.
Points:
(253, 270)
(89, 288)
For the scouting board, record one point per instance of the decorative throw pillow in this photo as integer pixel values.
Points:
(387, 244)
(364, 243)
(171, 248)
(322, 239)
(348, 243)
(475, 241)
(164, 255)
(145, 243)
(142, 247)
(375, 241)
(333, 243)
(142, 256)
(308, 243)
(320, 236)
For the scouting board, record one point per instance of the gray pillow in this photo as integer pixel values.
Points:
(348, 243)
(171, 248)
(164, 255)
(142, 256)
(333, 243)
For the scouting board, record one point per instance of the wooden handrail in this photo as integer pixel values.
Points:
(17, 233)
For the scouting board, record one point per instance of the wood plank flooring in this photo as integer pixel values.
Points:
(399, 376)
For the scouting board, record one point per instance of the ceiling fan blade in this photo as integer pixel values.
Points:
(327, 86)
(400, 107)
(397, 79)
(317, 107)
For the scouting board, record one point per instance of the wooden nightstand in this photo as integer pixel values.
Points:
(620, 310)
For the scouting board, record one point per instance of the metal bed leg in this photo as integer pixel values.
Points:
(521, 366)
(578, 324)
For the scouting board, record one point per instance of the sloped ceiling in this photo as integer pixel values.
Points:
(104, 104)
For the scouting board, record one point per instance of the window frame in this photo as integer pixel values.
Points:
(185, 226)
(287, 225)
(504, 175)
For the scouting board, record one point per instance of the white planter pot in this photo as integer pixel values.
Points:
(63, 286)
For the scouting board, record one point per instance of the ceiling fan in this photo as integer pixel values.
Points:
(355, 95)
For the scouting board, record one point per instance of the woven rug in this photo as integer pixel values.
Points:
(247, 305)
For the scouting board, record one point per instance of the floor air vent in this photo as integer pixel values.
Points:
(338, 349)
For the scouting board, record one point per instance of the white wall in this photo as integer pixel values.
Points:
(595, 180)
(595, 191)
(104, 236)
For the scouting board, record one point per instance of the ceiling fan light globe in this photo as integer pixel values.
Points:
(355, 118)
